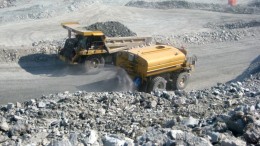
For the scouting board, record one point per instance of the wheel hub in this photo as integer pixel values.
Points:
(94, 63)
(182, 82)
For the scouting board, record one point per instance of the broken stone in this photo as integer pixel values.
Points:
(232, 141)
(102, 111)
(175, 134)
(113, 140)
(91, 137)
(32, 102)
(73, 138)
(17, 118)
(41, 105)
(62, 142)
(10, 106)
(152, 104)
(192, 122)
(214, 137)
(18, 105)
(4, 126)
(252, 133)
(3, 138)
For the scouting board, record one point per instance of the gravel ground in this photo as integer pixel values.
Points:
(225, 114)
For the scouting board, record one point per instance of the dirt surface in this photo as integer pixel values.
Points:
(225, 44)
(44, 101)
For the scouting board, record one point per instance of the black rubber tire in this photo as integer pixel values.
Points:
(180, 81)
(157, 83)
(94, 63)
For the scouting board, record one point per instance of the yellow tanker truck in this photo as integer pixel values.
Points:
(157, 67)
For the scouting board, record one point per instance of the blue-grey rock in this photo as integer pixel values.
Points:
(113, 140)
(73, 138)
(190, 139)
(10, 106)
(257, 105)
(232, 141)
(63, 142)
(214, 137)
(252, 133)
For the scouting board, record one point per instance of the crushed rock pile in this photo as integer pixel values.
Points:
(239, 9)
(220, 33)
(26, 10)
(112, 29)
(227, 114)
(255, 3)
(6, 3)
(235, 25)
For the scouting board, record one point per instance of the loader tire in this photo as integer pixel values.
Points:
(180, 81)
(157, 83)
(94, 63)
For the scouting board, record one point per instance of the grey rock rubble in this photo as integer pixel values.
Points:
(7, 3)
(112, 29)
(220, 33)
(252, 8)
(227, 114)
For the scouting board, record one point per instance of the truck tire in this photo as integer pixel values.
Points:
(93, 63)
(157, 83)
(180, 81)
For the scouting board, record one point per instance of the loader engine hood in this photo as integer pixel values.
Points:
(151, 60)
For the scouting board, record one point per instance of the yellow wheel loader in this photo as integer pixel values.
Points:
(93, 48)
(157, 67)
